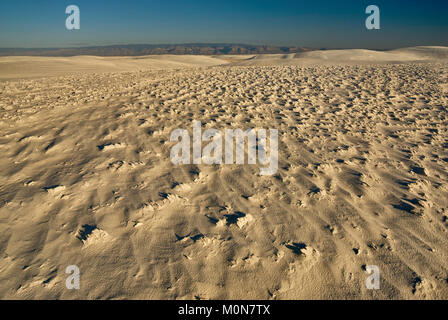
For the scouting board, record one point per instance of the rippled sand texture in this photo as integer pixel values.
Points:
(86, 180)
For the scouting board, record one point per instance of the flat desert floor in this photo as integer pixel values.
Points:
(86, 177)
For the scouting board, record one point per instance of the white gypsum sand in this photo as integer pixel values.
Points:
(86, 177)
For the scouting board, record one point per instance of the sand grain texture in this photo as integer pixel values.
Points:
(86, 179)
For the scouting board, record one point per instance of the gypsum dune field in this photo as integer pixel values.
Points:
(86, 177)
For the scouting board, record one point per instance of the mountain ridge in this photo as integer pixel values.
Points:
(154, 49)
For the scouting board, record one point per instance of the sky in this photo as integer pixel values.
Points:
(317, 24)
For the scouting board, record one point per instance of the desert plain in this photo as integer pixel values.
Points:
(86, 177)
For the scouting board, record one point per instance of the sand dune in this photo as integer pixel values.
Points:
(86, 177)
(37, 67)
(353, 56)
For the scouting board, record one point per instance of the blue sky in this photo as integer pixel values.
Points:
(330, 24)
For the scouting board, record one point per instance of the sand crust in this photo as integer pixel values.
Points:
(86, 179)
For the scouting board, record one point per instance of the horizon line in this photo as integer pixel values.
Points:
(199, 44)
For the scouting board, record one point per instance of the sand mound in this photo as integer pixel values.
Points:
(37, 67)
(353, 56)
(12, 68)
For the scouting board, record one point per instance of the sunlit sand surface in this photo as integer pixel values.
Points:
(86, 177)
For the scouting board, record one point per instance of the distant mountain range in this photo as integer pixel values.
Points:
(152, 49)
